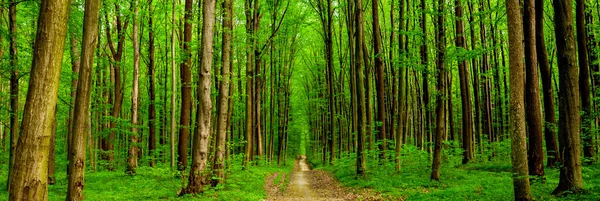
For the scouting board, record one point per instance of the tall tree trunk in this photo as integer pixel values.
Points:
(81, 118)
(517, 109)
(440, 127)
(587, 118)
(186, 89)
(173, 86)
(401, 86)
(151, 90)
(532, 84)
(75, 64)
(361, 161)
(379, 79)
(546, 75)
(132, 159)
(29, 176)
(569, 105)
(14, 87)
(465, 91)
(199, 175)
(425, 74)
(223, 99)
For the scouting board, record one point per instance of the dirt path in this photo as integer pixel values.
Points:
(307, 184)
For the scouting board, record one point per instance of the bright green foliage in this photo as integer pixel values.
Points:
(161, 183)
(477, 181)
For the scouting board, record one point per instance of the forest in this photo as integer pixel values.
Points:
(299, 100)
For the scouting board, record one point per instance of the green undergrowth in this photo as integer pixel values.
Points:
(161, 183)
(479, 180)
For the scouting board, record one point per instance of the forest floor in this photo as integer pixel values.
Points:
(307, 184)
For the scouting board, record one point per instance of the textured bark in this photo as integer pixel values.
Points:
(132, 158)
(465, 91)
(81, 118)
(186, 89)
(401, 88)
(151, 90)
(569, 105)
(486, 108)
(14, 86)
(587, 118)
(440, 110)
(75, 65)
(29, 176)
(517, 109)
(173, 86)
(535, 154)
(425, 73)
(361, 158)
(199, 175)
(379, 80)
(546, 75)
(223, 99)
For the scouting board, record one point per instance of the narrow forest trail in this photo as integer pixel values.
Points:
(307, 184)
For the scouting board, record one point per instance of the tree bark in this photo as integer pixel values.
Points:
(569, 105)
(81, 118)
(535, 154)
(379, 79)
(132, 159)
(548, 93)
(517, 109)
(223, 108)
(440, 127)
(361, 161)
(151, 90)
(14, 86)
(465, 91)
(173, 86)
(199, 175)
(186, 89)
(29, 176)
(587, 118)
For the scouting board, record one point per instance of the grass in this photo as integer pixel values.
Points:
(161, 183)
(480, 180)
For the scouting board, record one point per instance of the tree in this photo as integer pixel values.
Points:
(173, 86)
(465, 92)
(28, 178)
(517, 109)
(584, 81)
(186, 88)
(223, 99)
(546, 75)
(199, 175)
(361, 161)
(532, 105)
(81, 113)
(151, 90)
(440, 127)
(132, 161)
(14, 86)
(379, 79)
(569, 105)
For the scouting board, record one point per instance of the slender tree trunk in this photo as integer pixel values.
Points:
(14, 86)
(223, 101)
(546, 75)
(465, 91)
(29, 176)
(440, 127)
(173, 86)
(81, 118)
(532, 105)
(425, 74)
(379, 79)
(186, 89)
(132, 159)
(151, 90)
(587, 118)
(361, 161)
(199, 175)
(517, 109)
(569, 105)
